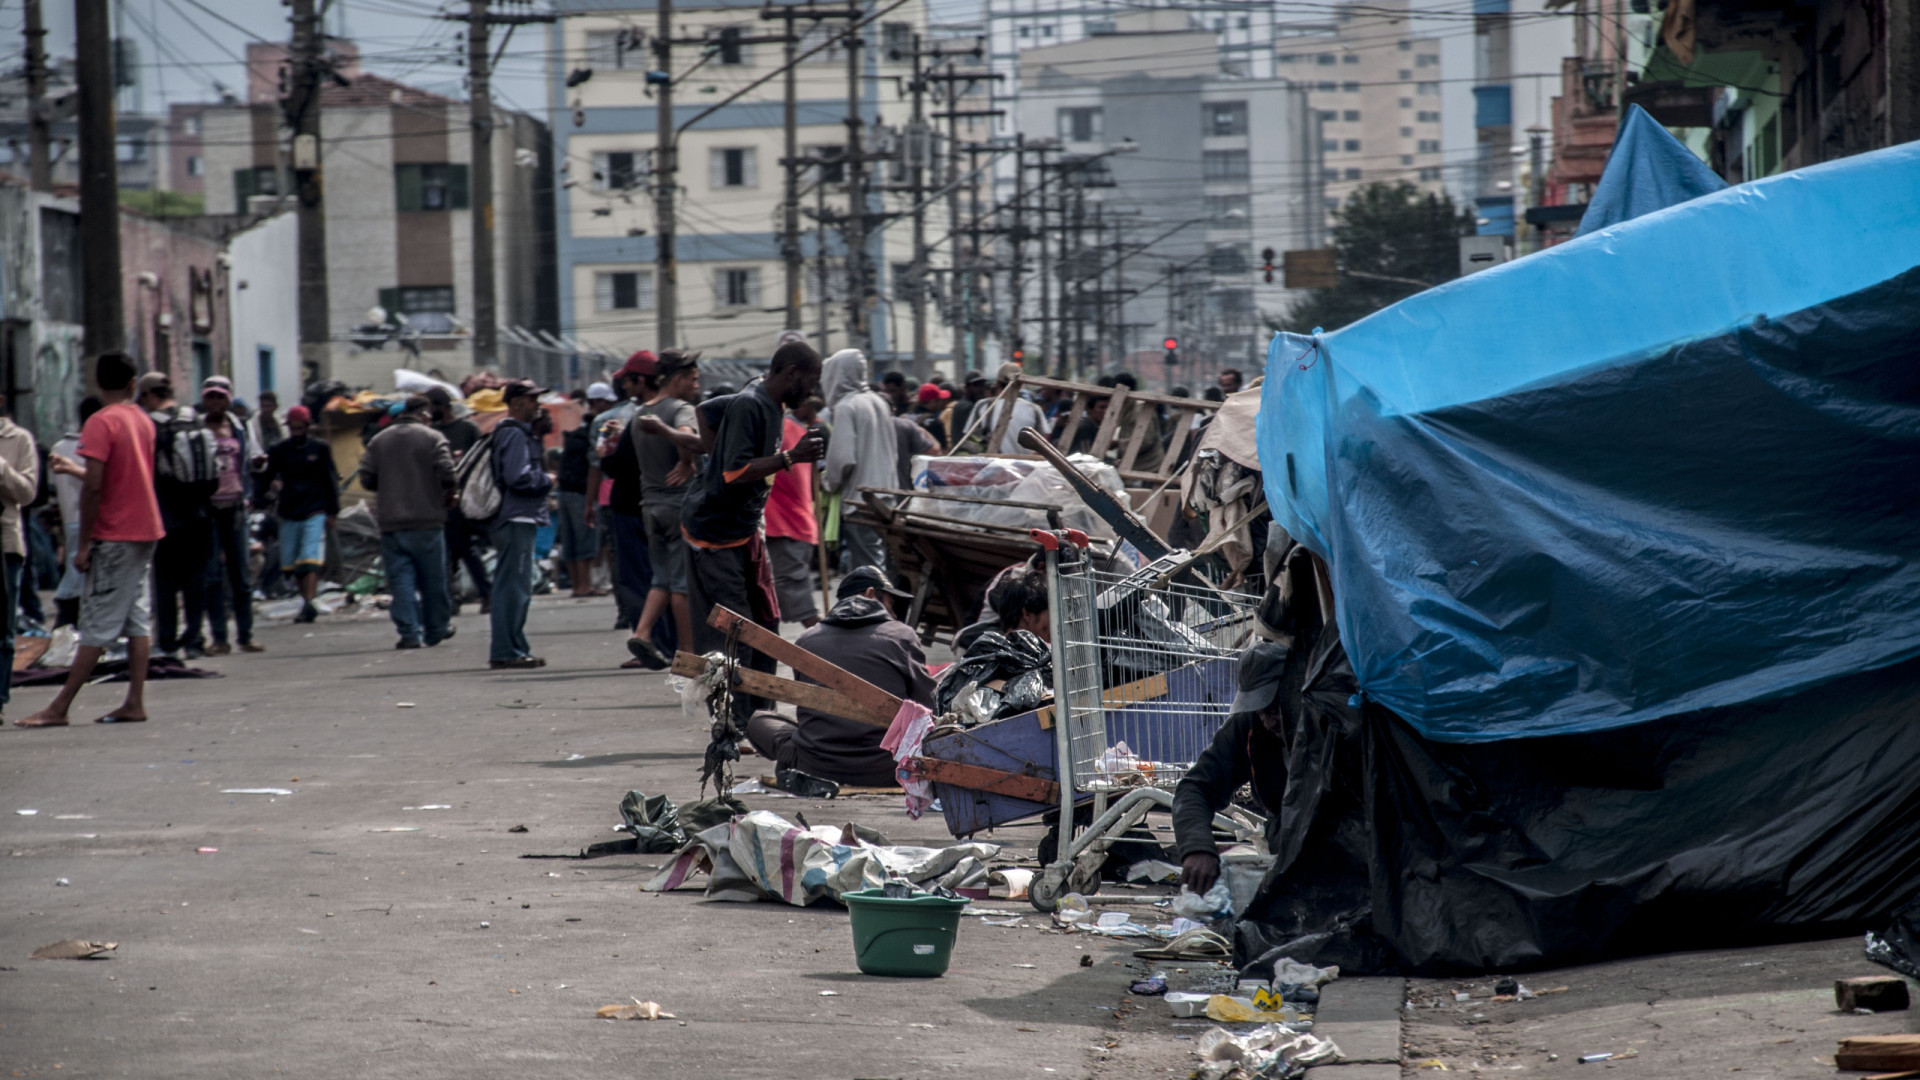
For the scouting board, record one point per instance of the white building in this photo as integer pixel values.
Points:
(263, 274)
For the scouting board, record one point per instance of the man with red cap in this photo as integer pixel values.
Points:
(617, 505)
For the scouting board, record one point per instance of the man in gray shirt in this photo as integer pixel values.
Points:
(667, 443)
(409, 469)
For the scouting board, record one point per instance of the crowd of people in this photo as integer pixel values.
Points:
(681, 497)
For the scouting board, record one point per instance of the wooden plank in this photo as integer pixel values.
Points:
(870, 697)
(1116, 407)
(806, 695)
(689, 665)
(1881, 993)
(1041, 382)
(1000, 423)
(1879, 1052)
(1072, 426)
(993, 781)
(1151, 688)
(1143, 422)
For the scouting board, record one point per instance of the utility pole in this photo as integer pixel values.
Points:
(1100, 284)
(480, 117)
(99, 180)
(790, 209)
(666, 292)
(1049, 358)
(965, 273)
(858, 336)
(1014, 286)
(39, 126)
(919, 146)
(302, 108)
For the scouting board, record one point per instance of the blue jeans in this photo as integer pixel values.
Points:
(512, 589)
(416, 562)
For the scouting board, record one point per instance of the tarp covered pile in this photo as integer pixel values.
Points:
(1624, 541)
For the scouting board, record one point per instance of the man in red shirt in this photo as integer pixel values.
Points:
(791, 528)
(119, 527)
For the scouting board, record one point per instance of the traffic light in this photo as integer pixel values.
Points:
(730, 45)
(1266, 257)
(1173, 350)
(1019, 351)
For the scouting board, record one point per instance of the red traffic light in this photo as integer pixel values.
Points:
(1173, 343)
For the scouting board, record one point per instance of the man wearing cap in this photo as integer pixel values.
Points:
(409, 469)
(306, 504)
(231, 537)
(524, 485)
(1248, 749)
(633, 575)
(930, 402)
(180, 562)
(579, 543)
(859, 635)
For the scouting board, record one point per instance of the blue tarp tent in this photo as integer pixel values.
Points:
(1671, 465)
(1647, 170)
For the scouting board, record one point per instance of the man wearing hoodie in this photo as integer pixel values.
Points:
(863, 452)
(859, 635)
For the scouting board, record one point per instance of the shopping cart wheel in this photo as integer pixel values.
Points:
(1044, 891)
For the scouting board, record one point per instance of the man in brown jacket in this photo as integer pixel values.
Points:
(409, 468)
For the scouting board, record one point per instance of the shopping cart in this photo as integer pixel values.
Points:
(1144, 674)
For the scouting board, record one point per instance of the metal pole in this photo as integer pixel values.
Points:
(99, 180)
(820, 250)
(667, 290)
(790, 221)
(919, 153)
(480, 116)
(39, 129)
(1049, 359)
(1014, 287)
(302, 106)
(857, 336)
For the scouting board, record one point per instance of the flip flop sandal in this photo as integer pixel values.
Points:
(118, 720)
(1192, 945)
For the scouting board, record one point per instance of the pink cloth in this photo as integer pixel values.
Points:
(790, 503)
(904, 736)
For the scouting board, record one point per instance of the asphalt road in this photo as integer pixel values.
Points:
(316, 942)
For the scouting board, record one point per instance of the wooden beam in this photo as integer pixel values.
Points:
(871, 699)
(993, 781)
(808, 696)
(1879, 1052)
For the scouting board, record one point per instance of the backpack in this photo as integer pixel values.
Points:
(474, 478)
(184, 450)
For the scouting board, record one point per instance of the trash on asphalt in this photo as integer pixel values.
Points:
(1239, 1010)
(1152, 986)
(1875, 993)
(429, 806)
(1217, 904)
(26, 813)
(1009, 883)
(654, 822)
(762, 856)
(1086, 960)
(1190, 945)
(206, 851)
(638, 1010)
(256, 791)
(1153, 870)
(1258, 1052)
(1594, 1059)
(518, 828)
(1898, 946)
(74, 949)
(1185, 1005)
(1506, 986)
(61, 881)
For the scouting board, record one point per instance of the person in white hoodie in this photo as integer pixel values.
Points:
(860, 453)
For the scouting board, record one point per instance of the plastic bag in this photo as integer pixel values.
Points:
(996, 656)
(1217, 904)
(654, 822)
(1018, 481)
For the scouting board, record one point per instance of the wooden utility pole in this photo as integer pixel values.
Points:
(99, 181)
(486, 312)
(919, 148)
(666, 292)
(302, 108)
(790, 251)
(858, 334)
(39, 121)
(1015, 288)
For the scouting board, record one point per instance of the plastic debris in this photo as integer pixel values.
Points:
(74, 949)
(1590, 1059)
(639, 1010)
(1288, 971)
(206, 851)
(1257, 1051)
(1185, 1005)
(255, 791)
(1009, 883)
(829, 993)
(1153, 870)
(26, 813)
(1217, 904)
(1152, 986)
(398, 828)
(1239, 1010)
(1507, 986)
(429, 806)
(61, 881)
(403, 705)
(518, 828)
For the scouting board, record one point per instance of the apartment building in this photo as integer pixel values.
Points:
(398, 202)
(730, 184)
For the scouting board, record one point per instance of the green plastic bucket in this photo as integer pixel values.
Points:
(911, 937)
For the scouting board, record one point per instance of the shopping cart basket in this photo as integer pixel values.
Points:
(1144, 672)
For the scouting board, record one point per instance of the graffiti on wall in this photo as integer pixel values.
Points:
(59, 381)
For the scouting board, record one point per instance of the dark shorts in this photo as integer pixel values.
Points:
(666, 546)
(793, 578)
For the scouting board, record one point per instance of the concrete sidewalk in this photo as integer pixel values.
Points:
(316, 942)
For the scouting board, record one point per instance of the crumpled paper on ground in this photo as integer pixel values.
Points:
(1288, 971)
(1221, 1052)
(761, 856)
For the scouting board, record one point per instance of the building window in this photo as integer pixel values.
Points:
(1350, 58)
(1426, 61)
(1328, 116)
(1405, 74)
(263, 367)
(1241, 23)
(130, 148)
(1326, 85)
(1046, 31)
(608, 49)
(1026, 31)
(259, 180)
(1406, 159)
(896, 38)
(902, 279)
(1227, 259)
(1330, 146)
(1350, 87)
(1223, 208)
(1353, 174)
(1429, 118)
(1430, 173)
(1405, 45)
(430, 187)
(1079, 125)
(835, 52)
(1100, 27)
(1333, 176)
(623, 290)
(1224, 165)
(1432, 89)
(417, 300)
(734, 167)
(1288, 58)
(1226, 117)
(1429, 146)
(1406, 103)
(1328, 59)
(1351, 146)
(1406, 133)
(738, 287)
(1351, 116)
(619, 170)
(1236, 69)
(196, 165)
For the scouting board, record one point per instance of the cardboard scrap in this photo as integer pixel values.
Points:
(639, 1010)
(1880, 993)
(74, 949)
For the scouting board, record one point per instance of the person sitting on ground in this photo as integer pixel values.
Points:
(860, 635)
(1252, 734)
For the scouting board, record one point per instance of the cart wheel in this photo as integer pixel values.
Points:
(1084, 878)
(1044, 891)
